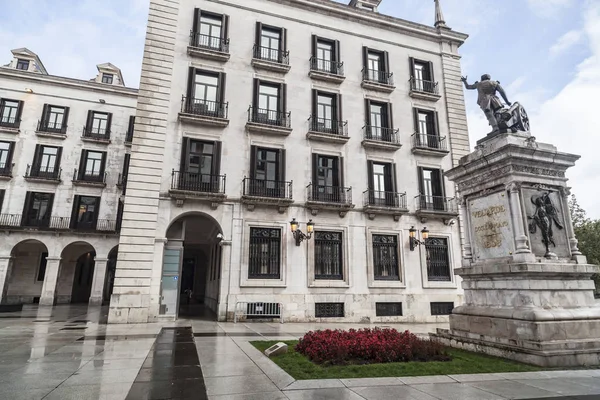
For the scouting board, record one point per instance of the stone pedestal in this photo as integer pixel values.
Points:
(528, 289)
(48, 297)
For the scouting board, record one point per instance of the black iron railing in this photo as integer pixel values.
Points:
(267, 188)
(206, 108)
(270, 117)
(38, 171)
(420, 85)
(327, 66)
(6, 169)
(379, 198)
(96, 134)
(51, 127)
(377, 133)
(383, 77)
(201, 41)
(195, 182)
(429, 141)
(11, 122)
(329, 194)
(329, 126)
(56, 223)
(436, 203)
(269, 54)
(91, 177)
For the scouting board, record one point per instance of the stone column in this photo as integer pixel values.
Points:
(464, 225)
(573, 242)
(516, 213)
(5, 268)
(224, 290)
(48, 296)
(97, 294)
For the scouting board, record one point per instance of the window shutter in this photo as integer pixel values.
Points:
(196, 26)
(19, 112)
(50, 205)
(45, 116)
(108, 124)
(416, 120)
(390, 116)
(340, 166)
(411, 64)
(225, 25)
(430, 123)
(82, 162)
(315, 102)
(388, 178)
(430, 77)
(65, 120)
(255, 92)
(253, 151)
(1, 199)
(284, 39)
(258, 34)
(96, 211)
(37, 157)
(58, 159)
(338, 108)
(367, 112)
(103, 164)
(9, 157)
(436, 124)
(283, 98)
(185, 145)
(315, 39)
(371, 184)
(386, 61)
(217, 158)
(75, 211)
(441, 181)
(27, 206)
(282, 166)
(421, 186)
(338, 51)
(394, 178)
(222, 85)
(90, 118)
(365, 59)
(315, 168)
(126, 162)
(190, 85)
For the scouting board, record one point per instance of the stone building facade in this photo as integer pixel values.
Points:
(252, 114)
(64, 146)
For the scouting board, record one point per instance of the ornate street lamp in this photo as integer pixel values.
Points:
(413, 241)
(299, 236)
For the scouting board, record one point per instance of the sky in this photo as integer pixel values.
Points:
(546, 54)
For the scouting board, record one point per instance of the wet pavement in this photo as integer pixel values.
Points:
(68, 352)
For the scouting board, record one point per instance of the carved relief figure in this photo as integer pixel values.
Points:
(544, 217)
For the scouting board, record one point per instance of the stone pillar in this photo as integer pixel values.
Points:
(573, 242)
(224, 282)
(5, 268)
(97, 293)
(464, 225)
(517, 219)
(48, 296)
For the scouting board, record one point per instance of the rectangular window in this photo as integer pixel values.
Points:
(206, 93)
(438, 260)
(98, 125)
(42, 267)
(426, 128)
(38, 209)
(107, 78)
(326, 55)
(269, 104)
(210, 30)
(379, 121)
(265, 253)
(200, 166)
(92, 166)
(10, 113)
(385, 258)
(328, 255)
(441, 308)
(376, 66)
(46, 163)
(268, 101)
(327, 179)
(422, 76)
(85, 212)
(23, 64)
(431, 189)
(388, 309)
(270, 43)
(54, 119)
(6, 154)
(382, 184)
(326, 112)
(329, 310)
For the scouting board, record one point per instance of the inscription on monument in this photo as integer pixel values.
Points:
(491, 230)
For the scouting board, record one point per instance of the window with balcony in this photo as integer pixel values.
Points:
(22, 64)
(376, 66)
(210, 31)
(421, 76)
(200, 167)
(438, 260)
(382, 185)
(54, 119)
(427, 129)
(98, 125)
(379, 122)
(271, 44)
(265, 253)
(328, 179)
(46, 162)
(85, 212)
(37, 209)
(6, 156)
(92, 166)
(10, 113)
(327, 113)
(269, 104)
(267, 173)
(206, 94)
(386, 265)
(431, 190)
(326, 56)
(328, 255)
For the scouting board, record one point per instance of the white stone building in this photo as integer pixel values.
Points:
(63, 150)
(253, 113)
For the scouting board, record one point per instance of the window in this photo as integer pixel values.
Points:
(46, 163)
(10, 113)
(23, 64)
(210, 30)
(42, 267)
(206, 93)
(438, 260)
(327, 112)
(328, 255)
(107, 78)
(431, 189)
(329, 310)
(441, 308)
(265, 253)
(2, 191)
(54, 119)
(6, 155)
(37, 209)
(85, 212)
(267, 171)
(382, 184)
(421, 73)
(385, 258)
(426, 128)
(376, 66)
(130, 129)
(92, 166)
(388, 309)
(200, 165)
(98, 124)
(271, 44)
(379, 121)
(270, 103)
(326, 55)
(327, 179)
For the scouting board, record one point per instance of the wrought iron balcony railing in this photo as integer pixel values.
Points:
(383, 77)
(208, 42)
(377, 198)
(380, 134)
(6, 169)
(329, 194)
(329, 126)
(96, 134)
(434, 142)
(200, 183)
(9, 122)
(205, 108)
(51, 127)
(270, 117)
(267, 188)
(420, 85)
(90, 177)
(38, 171)
(436, 204)
(327, 66)
(56, 223)
(269, 54)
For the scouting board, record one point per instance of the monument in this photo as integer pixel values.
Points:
(528, 289)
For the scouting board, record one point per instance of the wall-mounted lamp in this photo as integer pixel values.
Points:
(414, 242)
(299, 236)
(102, 101)
(28, 90)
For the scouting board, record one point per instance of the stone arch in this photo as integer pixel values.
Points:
(76, 273)
(27, 272)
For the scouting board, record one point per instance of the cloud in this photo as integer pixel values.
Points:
(566, 41)
(548, 8)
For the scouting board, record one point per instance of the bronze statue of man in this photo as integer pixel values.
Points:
(487, 99)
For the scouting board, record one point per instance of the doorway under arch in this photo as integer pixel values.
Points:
(111, 268)
(28, 271)
(76, 273)
(192, 267)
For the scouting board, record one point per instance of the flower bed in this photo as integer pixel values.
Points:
(368, 346)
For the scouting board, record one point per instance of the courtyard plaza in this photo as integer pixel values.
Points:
(69, 352)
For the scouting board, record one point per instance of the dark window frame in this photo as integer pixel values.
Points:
(437, 259)
(108, 78)
(197, 180)
(263, 242)
(81, 175)
(36, 167)
(89, 224)
(281, 51)
(330, 310)
(47, 126)
(268, 187)
(381, 243)
(21, 62)
(6, 168)
(335, 64)
(336, 121)
(15, 121)
(441, 307)
(384, 65)
(30, 199)
(428, 69)
(388, 196)
(90, 124)
(436, 199)
(388, 309)
(335, 191)
(324, 242)
(196, 29)
(202, 105)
